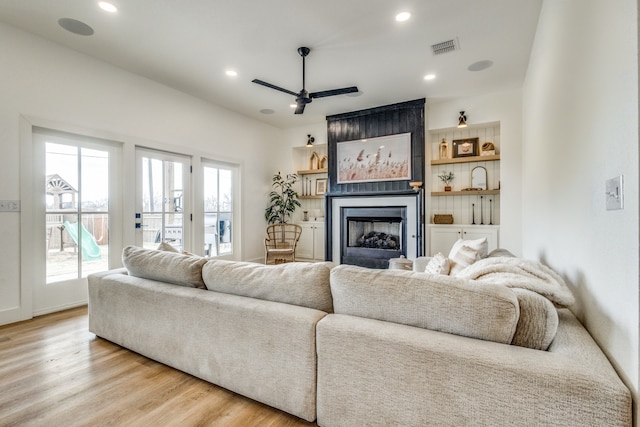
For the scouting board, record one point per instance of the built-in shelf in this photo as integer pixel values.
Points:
(466, 160)
(312, 171)
(466, 193)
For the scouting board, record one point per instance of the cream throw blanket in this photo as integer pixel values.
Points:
(521, 273)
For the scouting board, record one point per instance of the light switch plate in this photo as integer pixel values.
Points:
(614, 193)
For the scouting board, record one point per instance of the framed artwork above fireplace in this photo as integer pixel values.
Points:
(385, 158)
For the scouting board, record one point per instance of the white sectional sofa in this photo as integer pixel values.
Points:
(353, 346)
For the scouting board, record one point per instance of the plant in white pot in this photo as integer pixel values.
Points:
(446, 178)
(283, 199)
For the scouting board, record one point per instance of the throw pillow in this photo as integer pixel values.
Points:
(480, 245)
(439, 264)
(164, 266)
(164, 246)
(463, 257)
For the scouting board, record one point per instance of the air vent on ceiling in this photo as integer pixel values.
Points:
(444, 47)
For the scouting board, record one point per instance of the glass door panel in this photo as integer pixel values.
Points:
(164, 182)
(77, 211)
(218, 209)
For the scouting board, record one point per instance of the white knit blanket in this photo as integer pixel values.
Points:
(521, 273)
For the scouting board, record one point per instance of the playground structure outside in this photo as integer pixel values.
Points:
(62, 248)
(62, 245)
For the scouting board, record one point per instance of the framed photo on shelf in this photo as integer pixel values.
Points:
(465, 147)
(321, 186)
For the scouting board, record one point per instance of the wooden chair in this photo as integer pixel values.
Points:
(280, 244)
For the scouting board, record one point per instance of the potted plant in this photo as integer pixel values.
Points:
(283, 199)
(446, 178)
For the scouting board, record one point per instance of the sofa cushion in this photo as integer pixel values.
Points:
(436, 302)
(538, 322)
(164, 266)
(299, 283)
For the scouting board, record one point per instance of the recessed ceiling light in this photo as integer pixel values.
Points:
(76, 27)
(403, 16)
(108, 7)
(430, 77)
(231, 73)
(267, 111)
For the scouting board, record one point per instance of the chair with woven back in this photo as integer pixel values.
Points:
(280, 244)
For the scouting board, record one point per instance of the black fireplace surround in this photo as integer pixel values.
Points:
(405, 117)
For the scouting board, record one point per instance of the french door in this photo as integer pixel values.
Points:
(163, 204)
(80, 218)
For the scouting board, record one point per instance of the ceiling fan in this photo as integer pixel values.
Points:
(303, 97)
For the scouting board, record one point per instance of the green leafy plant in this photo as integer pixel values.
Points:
(446, 177)
(283, 199)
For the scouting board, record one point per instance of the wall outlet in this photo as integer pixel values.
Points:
(614, 193)
(9, 205)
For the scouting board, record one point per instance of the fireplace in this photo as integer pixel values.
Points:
(373, 235)
(369, 230)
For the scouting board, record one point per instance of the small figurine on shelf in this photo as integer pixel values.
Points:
(444, 149)
(446, 178)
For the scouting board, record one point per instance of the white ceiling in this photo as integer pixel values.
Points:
(189, 45)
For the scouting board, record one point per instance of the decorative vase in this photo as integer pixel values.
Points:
(447, 188)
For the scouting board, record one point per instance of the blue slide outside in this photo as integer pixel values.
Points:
(90, 249)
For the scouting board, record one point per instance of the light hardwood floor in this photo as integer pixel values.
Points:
(54, 372)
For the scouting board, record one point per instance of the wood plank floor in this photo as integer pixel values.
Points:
(54, 372)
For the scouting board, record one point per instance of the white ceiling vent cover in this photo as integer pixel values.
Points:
(444, 47)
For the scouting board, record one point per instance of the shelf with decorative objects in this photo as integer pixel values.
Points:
(311, 165)
(470, 159)
(471, 156)
(312, 171)
(465, 193)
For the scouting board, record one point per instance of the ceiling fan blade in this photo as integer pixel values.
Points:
(300, 107)
(333, 92)
(269, 85)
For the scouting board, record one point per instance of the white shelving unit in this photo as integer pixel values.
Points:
(464, 205)
(311, 168)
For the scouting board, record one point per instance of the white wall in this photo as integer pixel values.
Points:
(580, 109)
(51, 84)
(503, 107)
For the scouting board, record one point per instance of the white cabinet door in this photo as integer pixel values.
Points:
(318, 242)
(304, 249)
(311, 243)
(442, 237)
